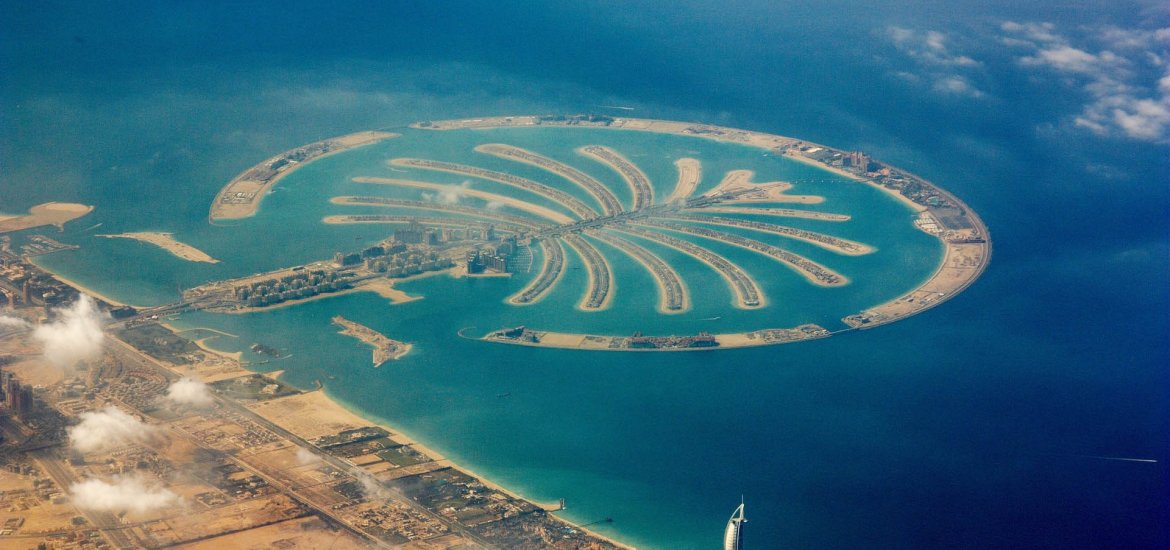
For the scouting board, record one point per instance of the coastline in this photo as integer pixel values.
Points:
(82, 288)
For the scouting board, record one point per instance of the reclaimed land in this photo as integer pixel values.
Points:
(536, 210)
(827, 242)
(49, 213)
(580, 209)
(690, 172)
(639, 184)
(385, 348)
(673, 296)
(609, 203)
(551, 269)
(242, 196)
(599, 292)
(963, 234)
(746, 291)
(777, 212)
(167, 242)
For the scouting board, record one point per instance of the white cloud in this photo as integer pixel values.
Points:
(1122, 98)
(122, 495)
(187, 391)
(929, 47)
(109, 428)
(306, 457)
(74, 336)
(450, 194)
(946, 72)
(956, 85)
(6, 321)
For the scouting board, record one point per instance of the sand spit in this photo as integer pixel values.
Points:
(166, 242)
(778, 212)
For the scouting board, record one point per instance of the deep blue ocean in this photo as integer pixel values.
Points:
(991, 421)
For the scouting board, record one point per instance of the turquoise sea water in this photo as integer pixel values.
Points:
(974, 424)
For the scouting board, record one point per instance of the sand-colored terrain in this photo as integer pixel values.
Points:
(690, 172)
(571, 203)
(242, 196)
(665, 277)
(609, 203)
(971, 248)
(553, 259)
(49, 213)
(828, 242)
(599, 270)
(385, 348)
(778, 212)
(536, 210)
(771, 191)
(167, 242)
(729, 271)
(574, 340)
(635, 178)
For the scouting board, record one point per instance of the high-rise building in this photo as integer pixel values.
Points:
(733, 536)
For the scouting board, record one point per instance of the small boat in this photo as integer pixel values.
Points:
(503, 395)
(715, 318)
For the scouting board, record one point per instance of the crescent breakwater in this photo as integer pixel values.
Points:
(242, 196)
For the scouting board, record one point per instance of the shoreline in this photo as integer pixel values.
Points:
(82, 288)
(403, 437)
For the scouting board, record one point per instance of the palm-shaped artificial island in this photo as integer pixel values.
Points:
(498, 222)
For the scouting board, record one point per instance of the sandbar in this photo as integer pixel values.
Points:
(166, 242)
(771, 191)
(49, 213)
(241, 197)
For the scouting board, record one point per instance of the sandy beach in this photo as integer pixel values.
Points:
(167, 242)
(49, 213)
(81, 288)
